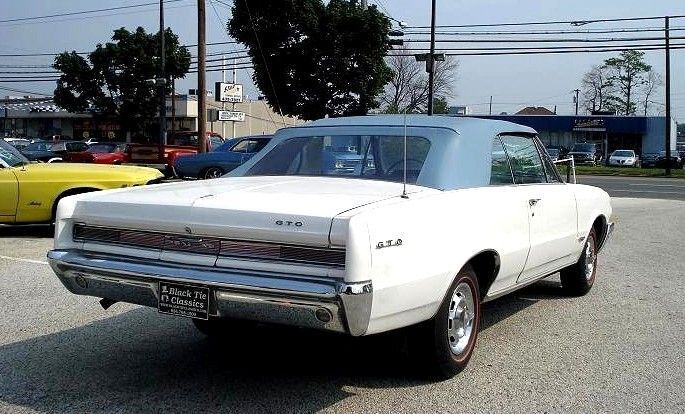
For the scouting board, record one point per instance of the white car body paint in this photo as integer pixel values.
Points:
(409, 248)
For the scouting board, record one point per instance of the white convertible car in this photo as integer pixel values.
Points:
(292, 238)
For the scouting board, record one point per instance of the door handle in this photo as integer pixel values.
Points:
(533, 202)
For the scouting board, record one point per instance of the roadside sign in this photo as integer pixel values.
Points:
(228, 92)
(235, 116)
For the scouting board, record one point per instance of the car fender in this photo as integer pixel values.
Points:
(444, 230)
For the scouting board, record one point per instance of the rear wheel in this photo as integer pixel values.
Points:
(213, 172)
(444, 344)
(577, 280)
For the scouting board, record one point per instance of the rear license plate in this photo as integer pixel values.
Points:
(183, 300)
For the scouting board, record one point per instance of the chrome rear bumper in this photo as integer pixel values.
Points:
(268, 297)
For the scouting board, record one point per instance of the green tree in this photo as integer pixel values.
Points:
(440, 105)
(312, 59)
(112, 81)
(627, 73)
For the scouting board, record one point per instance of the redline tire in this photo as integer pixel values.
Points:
(433, 343)
(577, 280)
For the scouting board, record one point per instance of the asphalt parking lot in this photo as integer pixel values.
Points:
(618, 349)
(639, 187)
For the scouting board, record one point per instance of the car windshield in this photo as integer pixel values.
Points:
(370, 157)
(102, 148)
(38, 146)
(583, 148)
(10, 155)
(226, 146)
(623, 153)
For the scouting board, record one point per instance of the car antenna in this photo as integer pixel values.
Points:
(404, 170)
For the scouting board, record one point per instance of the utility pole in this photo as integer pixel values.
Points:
(431, 62)
(490, 112)
(668, 96)
(162, 78)
(235, 81)
(223, 104)
(575, 99)
(173, 106)
(201, 78)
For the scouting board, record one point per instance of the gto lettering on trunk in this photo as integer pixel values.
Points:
(288, 223)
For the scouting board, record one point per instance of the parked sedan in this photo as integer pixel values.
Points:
(675, 161)
(454, 212)
(41, 151)
(649, 159)
(102, 153)
(623, 158)
(225, 158)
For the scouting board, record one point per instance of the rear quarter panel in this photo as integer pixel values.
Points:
(439, 234)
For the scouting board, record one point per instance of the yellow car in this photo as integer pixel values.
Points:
(29, 193)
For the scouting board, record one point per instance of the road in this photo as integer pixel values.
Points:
(642, 187)
(618, 349)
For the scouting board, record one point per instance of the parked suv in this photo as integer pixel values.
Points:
(586, 153)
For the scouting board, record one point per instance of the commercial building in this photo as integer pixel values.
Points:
(41, 118)
(644, 134)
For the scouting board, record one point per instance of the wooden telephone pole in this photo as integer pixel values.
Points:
(201, 78)
(668, 96)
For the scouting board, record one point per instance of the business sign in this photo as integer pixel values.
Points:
(589, 125)
(228, 92)
(235, 116)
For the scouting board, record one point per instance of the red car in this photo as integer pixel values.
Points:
(178, 145)
(102, 153)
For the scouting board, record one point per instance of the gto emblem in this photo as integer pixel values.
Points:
(288, 223)
(388, 243)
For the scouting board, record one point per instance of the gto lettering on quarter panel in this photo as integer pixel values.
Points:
(388, 243)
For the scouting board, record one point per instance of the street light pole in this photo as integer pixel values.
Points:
(668, 96)
(162, 78)
(431, 62)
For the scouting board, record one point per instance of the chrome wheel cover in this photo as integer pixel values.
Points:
(460, 319)
(590, 258)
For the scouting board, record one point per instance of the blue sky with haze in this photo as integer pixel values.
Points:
(513, 81)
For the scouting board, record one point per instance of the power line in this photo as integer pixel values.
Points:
(26, 66)
(579, 40)
(4, 88)
(584, 47)
(97, 16)
(544, 32)
(543, 23)
(130, 6)
(553, 51)
(2, 80)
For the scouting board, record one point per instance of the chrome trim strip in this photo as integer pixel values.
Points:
(215, 246)
(264, 296)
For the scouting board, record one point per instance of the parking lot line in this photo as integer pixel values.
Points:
(21, 259)
(646, 191)
(657, 185)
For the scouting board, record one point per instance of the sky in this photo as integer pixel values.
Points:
(513, 81)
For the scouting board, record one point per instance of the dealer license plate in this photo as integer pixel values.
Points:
(183, 300)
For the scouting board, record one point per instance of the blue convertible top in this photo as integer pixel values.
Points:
(460, 153)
